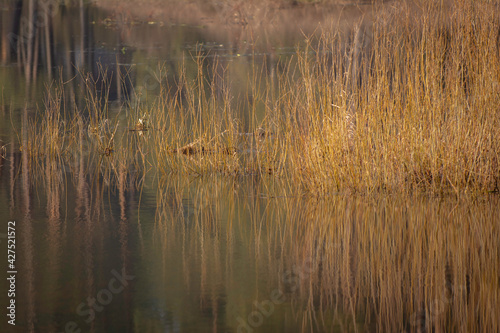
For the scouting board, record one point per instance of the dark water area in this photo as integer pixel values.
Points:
(81, 40)
(113, 245)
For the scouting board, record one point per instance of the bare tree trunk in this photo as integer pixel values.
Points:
(15, 27)
(35, 55)
(29, 46)
(48, 44)
(80, 63)
(5, 42)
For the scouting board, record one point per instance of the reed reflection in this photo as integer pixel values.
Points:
(356, 263)
(82, 233)
(26, 233)
(220, 247)
(216, 229)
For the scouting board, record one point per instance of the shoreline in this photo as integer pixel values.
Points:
(255, 18)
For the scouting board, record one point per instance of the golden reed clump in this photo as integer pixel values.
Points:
(407, 98)
(412, 103)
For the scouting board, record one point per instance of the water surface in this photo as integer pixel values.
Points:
(108, 244)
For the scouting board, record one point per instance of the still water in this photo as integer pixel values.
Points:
(108, 245)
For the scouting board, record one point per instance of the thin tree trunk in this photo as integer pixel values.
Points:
(15, 27)
(48, 47)
(35, 56)
(29, 47)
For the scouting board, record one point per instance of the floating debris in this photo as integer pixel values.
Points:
(141, 125)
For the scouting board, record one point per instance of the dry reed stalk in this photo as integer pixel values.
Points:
(403, 102)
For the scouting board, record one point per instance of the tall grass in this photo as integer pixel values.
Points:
(407, 99)
(420, 112)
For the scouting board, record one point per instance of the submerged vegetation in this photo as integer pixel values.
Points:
(406, 100)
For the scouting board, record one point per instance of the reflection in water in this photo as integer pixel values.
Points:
(222, 253)
(212, 253)
(47, 41)
(26, 232)
(365, 263)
